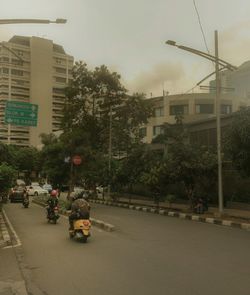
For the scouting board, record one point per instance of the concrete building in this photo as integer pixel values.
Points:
(192, 107)
(33, 70)
(235, 82)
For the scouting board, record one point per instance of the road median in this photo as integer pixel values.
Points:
(205, 218)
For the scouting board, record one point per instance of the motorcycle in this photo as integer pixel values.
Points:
(52, 215)
(81, 230)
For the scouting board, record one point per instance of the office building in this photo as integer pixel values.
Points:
(33, 70)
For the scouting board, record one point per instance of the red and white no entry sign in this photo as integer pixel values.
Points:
(77, 160)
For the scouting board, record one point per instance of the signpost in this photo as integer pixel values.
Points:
(21, 113)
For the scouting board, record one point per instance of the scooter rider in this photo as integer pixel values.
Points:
(79, 209)
(52, 201)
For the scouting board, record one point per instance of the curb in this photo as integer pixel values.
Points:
(5, 233)
(98, 223)
(187, 216)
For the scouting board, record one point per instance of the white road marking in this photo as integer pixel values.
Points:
(13, 231)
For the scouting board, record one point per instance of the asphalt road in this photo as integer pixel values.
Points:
(147, 254)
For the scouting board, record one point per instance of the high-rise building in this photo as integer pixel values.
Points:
(33, 70)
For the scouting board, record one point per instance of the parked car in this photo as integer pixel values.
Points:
(78, 190)
(20, 182)
(47, 187)
(17, 194)
(100, 189)
(36, 190)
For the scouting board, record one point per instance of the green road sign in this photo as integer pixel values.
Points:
(21, 113)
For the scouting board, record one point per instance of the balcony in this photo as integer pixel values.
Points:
(19, 135)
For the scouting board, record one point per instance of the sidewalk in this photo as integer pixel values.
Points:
(11, 278)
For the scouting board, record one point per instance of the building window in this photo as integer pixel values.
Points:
(60, 80)
(19, 82)
(204, 108)
(16, 72)
(159, 112)
(59, 90)
(5, 71)
(17, 62)
(5, 59)
(178, 110)
(61, 70)
(226, 109)
(157, 130)
(60, 61)
(143, 132)
(20, 52)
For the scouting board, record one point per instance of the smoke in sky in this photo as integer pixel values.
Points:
(5, 33)
(234, 43)
(161, 76)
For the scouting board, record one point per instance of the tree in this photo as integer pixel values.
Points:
(237, 141)
(191, 166)
(26, 159)
(153, 179)
(92, 98)
(53, 155)
(97, 103)
(7, 177)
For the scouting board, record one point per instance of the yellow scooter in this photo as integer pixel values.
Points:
(81, 230)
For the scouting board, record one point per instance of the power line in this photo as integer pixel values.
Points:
(202, 31)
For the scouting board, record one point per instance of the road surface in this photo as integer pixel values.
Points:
(147, 254)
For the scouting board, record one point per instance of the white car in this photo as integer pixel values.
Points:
(47, 187)
(36, 190)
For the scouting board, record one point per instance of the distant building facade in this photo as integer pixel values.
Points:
(191, 107)
(235, 82)
(33, 70)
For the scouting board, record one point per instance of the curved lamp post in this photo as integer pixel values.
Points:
(31, 21)
(224, 65)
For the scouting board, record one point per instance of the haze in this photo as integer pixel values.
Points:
(129, 36)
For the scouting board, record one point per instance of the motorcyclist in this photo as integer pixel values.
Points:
(52, 201)
(25, 195)
(79, 209)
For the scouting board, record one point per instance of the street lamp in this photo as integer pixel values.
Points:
(32, 21)
(218, 62)
(208, 56)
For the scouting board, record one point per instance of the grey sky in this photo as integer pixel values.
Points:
(129, 36)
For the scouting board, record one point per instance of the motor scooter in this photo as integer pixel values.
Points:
(26, 202)
(81, 230)
(53, 214)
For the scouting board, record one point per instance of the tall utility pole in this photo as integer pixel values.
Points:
(218, 112)
(110, 148)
